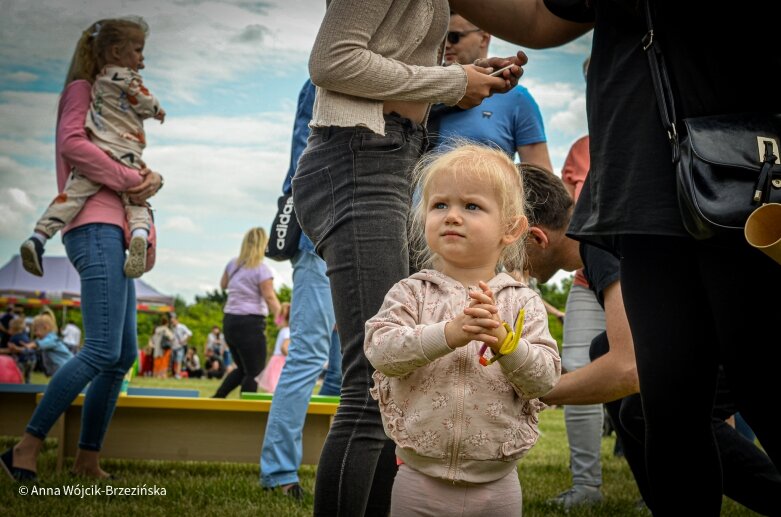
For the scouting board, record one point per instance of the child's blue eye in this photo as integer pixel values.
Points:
(472, 206)
(440, 206)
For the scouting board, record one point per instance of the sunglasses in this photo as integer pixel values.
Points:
(454, 37)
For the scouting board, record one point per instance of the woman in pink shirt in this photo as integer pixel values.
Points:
(95, 242)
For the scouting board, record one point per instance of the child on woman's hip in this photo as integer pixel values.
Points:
(120, 103)
(462, 350)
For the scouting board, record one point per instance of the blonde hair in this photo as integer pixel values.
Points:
(491, 166)
(44, 321)
(253, 248)
(96, 41)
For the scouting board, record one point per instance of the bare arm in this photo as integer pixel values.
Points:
(268, 293)
(525, 22)
(610, 377)
(224, 280)
(536, 154)
(552, 310)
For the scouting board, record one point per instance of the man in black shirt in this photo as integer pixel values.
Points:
(611, 378)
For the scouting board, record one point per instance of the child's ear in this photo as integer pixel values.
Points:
(516, 230)
(115, 51)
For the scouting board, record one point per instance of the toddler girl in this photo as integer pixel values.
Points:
(269, 377)
(461, 415)
(54, 350)
(120, 103)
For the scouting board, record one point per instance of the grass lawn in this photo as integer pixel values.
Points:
(206, 387)
(205, 489)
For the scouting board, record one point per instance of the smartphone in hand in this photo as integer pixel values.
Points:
(496, 73)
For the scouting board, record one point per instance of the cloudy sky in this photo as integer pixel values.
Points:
(228, 73)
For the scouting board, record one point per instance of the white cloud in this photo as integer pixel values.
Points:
(180, 223)
(27, 114)
(37, 183)
(554, 95)
(28, 192)
(20, 199)
(257, 129)
(572, 120)
(210, 180)
(17, 209)
(26, 147)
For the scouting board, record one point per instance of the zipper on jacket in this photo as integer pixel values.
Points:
(459, 416)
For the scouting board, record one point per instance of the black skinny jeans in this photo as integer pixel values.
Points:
(352, 196)
(246, 338)
(691, 305)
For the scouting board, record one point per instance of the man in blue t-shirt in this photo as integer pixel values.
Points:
(512, 121)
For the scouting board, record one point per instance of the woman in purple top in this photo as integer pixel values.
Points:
(250, 285)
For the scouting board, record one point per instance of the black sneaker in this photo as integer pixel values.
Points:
(16, 473)
(295, 492)
(32, 256)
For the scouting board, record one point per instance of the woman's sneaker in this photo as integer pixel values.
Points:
(32, 256)
(135, 263)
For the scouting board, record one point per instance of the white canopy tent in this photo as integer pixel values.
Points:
(60, 286)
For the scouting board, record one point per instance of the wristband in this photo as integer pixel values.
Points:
(510, 342)
(507, 341)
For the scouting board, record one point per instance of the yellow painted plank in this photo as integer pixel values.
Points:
(262, 406)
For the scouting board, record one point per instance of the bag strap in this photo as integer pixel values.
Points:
(661, 82)
(238, 267)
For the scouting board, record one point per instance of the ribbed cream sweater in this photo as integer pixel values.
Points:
(367, 52)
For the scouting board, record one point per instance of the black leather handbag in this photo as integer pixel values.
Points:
(727, 166)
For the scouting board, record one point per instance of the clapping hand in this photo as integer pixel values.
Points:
(479, 322)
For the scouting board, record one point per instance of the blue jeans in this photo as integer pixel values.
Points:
(311, 323)
(332, 383)
(352, 195)
(583, 321)
(108, 308)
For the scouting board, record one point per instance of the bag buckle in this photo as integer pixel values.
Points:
(768, 157)
(767, 147)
